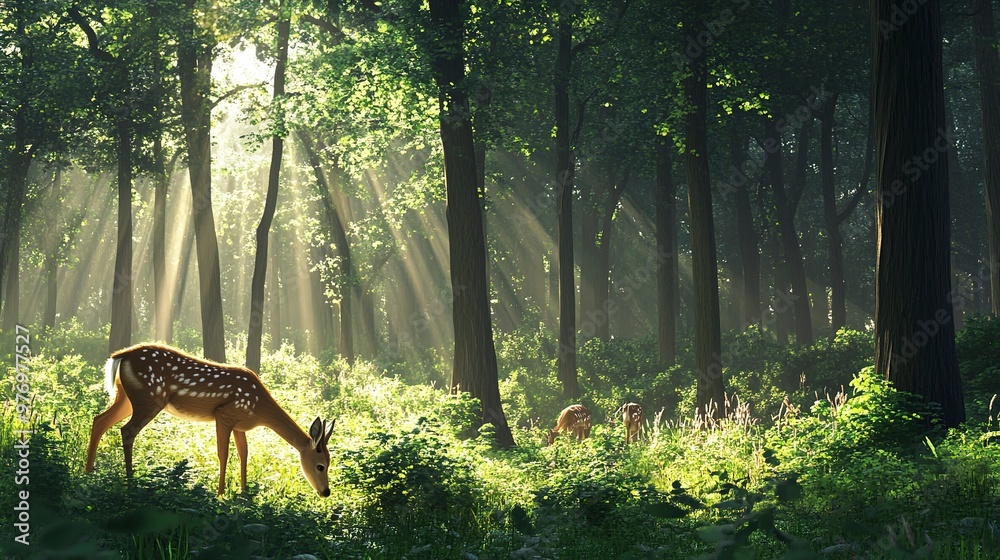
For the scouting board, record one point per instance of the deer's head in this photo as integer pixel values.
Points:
(316, 457)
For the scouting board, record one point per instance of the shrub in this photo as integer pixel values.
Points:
(412, 472)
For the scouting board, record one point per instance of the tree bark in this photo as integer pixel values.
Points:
(256, 328)
(194, 65)
(988, 67)
(710, 394)
(475, 365)
(914, 331)
(566, 355)
(667, 281)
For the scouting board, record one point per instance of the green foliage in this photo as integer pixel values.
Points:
(411, 473)
(978, 345)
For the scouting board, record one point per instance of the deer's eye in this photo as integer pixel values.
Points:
(320, 468)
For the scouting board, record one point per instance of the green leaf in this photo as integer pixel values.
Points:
(665, 510)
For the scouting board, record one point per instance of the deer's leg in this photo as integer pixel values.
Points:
(120, 409)
(241, 450)
(140, 417)
(222, 433)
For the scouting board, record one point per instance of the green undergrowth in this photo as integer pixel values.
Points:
(792, 472)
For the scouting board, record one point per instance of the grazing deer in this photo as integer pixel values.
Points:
(146, 379)
(574, 418)
(633, 418)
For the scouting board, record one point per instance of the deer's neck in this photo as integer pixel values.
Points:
(274, 417)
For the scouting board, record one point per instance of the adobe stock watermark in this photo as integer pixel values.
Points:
(898, 16)
(782, 303)
(627, 287)
(713, 29)
(739, 176)
(22, 436)
(927, 329)
(914, 167)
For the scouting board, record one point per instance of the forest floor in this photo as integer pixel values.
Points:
(851, 475)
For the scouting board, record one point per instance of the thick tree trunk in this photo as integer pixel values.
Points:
(256, 328)
(667, 282)
(710, 394)
(121, 300)
(475, 365)
(749, 248)
(566, 355)
(10, 239)
(988, 66)
(914, 331)
(194, 65)
(794, 266)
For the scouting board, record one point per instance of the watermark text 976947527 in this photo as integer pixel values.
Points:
(21, 433)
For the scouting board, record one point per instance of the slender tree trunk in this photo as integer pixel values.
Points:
(988, 66)
(710, 394)
(748, 239)
(475, 365)
(256, 328)
(332, 214)
(602, 277)
(162, 313)
(194, 65)
(667, 282)
(794, 266)
(838, 285)
(914, 331)
(121, 300)
(566, 356)
(274, 302)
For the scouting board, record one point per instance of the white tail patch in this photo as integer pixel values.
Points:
(110, 370)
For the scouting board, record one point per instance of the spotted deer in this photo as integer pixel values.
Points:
(575, 419)
(147, 379)
(632, 416)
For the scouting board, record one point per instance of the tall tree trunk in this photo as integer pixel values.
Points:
(475, 365)
(794, 266)
(12, 288)
(749, 247)
(602, 264)
(566, 356)
(194, 65)
(274, 302)
(369, 329)
(10, 240)
(988, 66)
(256, 328)
(332, 215)
(162, 314)
(710, 394)
(121, 300)
(667, 282)
(838, 294)
(587, 259)
(914, 332)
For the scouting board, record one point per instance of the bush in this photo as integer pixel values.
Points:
(412, 472)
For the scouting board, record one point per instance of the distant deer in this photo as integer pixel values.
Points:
(575, 418)
(633, 417)
(146, 379)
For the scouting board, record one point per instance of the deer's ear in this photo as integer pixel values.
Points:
(329, 432)
(316, 430)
